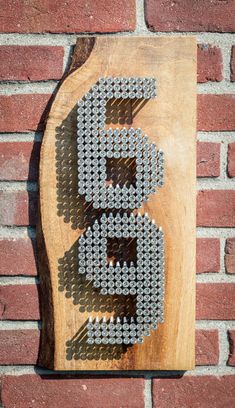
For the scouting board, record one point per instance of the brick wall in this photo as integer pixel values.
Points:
(36, 40)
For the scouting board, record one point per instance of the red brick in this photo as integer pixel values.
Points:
(232, 64)
(26, 391)
(205, 391)
(216, 208)
(18, 208)
(186, 15)
(71, 16)
(230, 255)
(19, 302)
(208, 159)
(209, 63)
(19, 346)
(19, 161)
(208, 255)
(215, 301)
(18, 257)
(207, 347)
(22, 113)
(231, 339)
(216, 112)
(31, 63)
(231, 159)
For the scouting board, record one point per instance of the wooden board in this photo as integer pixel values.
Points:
(169, 120)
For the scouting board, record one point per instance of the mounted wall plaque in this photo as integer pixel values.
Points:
(117, 205)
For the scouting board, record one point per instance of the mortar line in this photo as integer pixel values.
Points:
(219, 137)
(13, 185)
(222, 255)
(206, 325)
(215, 232)
(68, 52)
(141, 27)
(226, 55)
(18, 280)
(215, 88)
(21, 137)
(17, 232)
(223, 347)
(20, 325)
(223, 161)
(203, 183)
(65, 39)
(199, 371)
(215, 324)
(8, 88)
(216, 183)
(215, 278)
(148, 393)
(216, 137)
(29, 88)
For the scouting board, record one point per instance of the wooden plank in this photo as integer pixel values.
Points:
(169, 120)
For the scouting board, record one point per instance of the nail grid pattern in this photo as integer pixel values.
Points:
(143, 279)
(95, 145)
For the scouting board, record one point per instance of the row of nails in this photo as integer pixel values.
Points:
(132, 215)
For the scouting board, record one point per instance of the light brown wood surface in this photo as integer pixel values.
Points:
(169, 120)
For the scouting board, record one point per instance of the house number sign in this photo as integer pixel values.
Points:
(117, 203)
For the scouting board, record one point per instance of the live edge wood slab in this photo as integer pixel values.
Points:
(169, 120)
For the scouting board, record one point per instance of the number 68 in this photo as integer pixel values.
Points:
(145, 278)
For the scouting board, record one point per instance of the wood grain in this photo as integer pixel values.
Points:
(169, 120)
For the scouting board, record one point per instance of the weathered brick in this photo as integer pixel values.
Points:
(185, 15)
(71, 392)
(230, 255)
(19, 302)
(215, 301)
(209, 63)
(231, 159)
(23, 113)
(18, 257)
(207, 347)
(216, 112)
(232, 64)
(231, 339)
(19, 346)
(18, 208)
(215, 208)
(71, 16)
(30, 63)
(208, 255)
(19, 160)
(205, 391)
(208, 159)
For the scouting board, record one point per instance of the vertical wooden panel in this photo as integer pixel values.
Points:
(169, 120)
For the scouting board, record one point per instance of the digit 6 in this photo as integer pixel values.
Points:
(95, 145)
